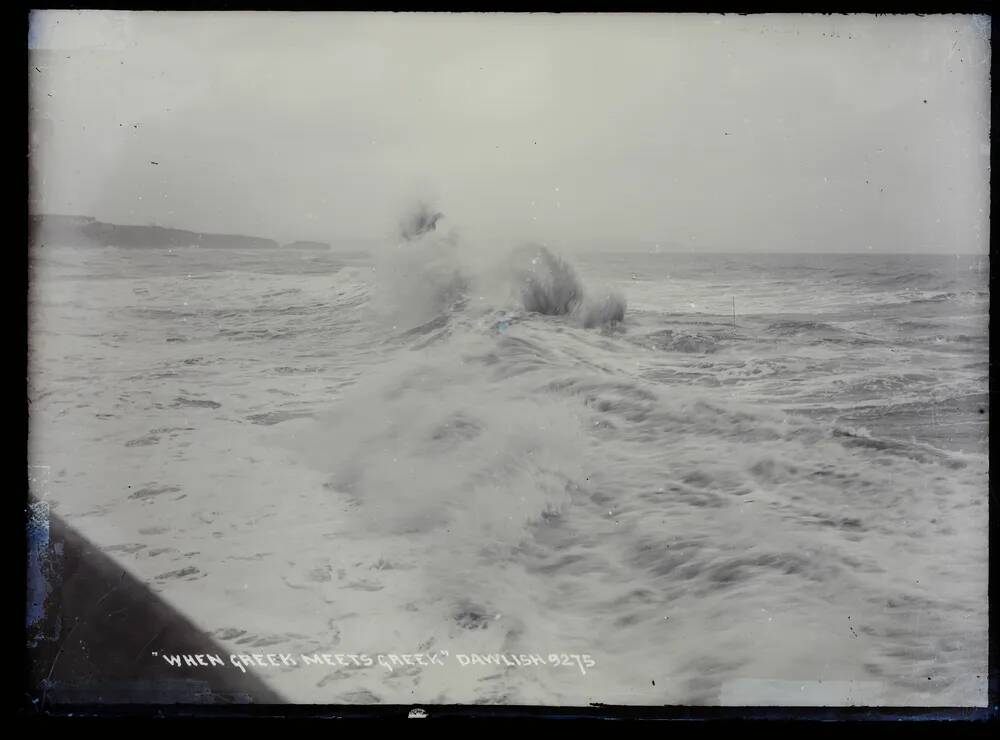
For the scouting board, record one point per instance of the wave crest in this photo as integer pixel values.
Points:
(428, 275)
(422, 220)
(606, 310)
(549, 285)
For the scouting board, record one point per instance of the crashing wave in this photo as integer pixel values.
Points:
(428, 275)
(608, 310)
(421, 221)
(549, 285)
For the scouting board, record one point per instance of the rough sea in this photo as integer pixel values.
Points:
(764, 482)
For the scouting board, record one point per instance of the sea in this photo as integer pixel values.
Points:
(558, 477)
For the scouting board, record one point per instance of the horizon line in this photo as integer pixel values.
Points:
(728, 252)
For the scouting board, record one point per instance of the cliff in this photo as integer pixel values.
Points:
(57, 230)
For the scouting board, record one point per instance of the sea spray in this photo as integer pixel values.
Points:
(549, 285)
(453, 446)
(428, 274)
(421, 220)
(419, 280)
(605, 309)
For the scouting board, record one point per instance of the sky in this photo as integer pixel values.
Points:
(786, 133)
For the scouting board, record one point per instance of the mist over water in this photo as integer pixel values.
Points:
(426, 449)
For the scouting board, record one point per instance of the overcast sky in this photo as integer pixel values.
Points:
(762, 133)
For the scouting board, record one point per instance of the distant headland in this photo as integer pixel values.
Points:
(82, 231)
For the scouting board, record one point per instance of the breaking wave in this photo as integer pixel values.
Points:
(549, 285)
(430, 274)
(421, 221)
